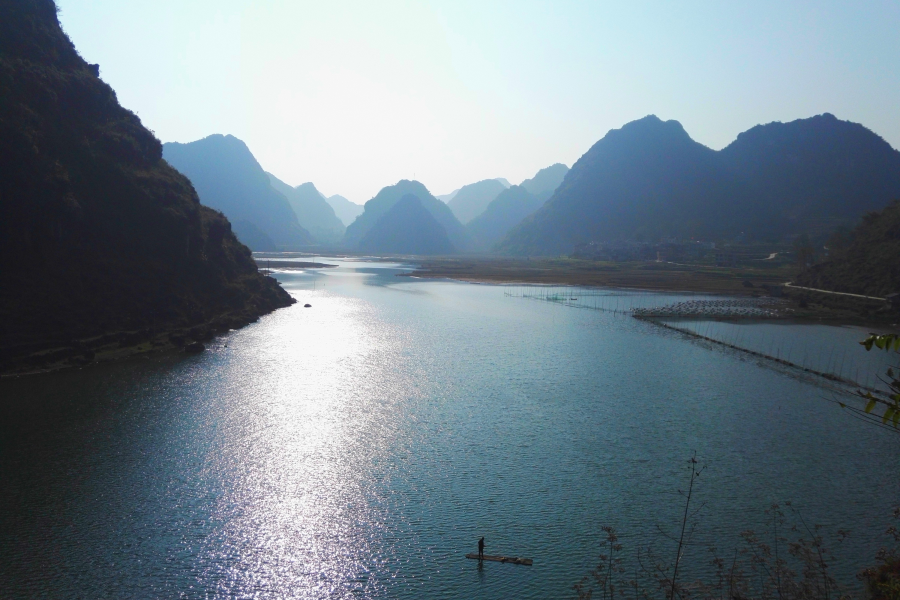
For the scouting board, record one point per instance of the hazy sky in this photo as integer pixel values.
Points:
(355, 96)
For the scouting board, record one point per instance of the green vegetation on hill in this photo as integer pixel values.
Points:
(378, 206)
(228, 178)
(407, 228)
(98, 234)
(649, 180)
(869, 264)
(471, 200)
(313, 212)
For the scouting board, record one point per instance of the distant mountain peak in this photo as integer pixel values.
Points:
(309, 186)
(471, 200)
(408, 227)
(651, 125)
(228, 177)
(649, 180)
(313, 212)
(378, 206)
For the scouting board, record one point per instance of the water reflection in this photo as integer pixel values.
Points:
(359, 448)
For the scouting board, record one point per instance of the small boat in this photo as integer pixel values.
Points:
(307, 306)
(504, 559)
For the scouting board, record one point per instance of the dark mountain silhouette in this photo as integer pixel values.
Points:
(545, 182)
(313, 212)
(102, 243)
(649, 180)
(471, 200)
(505, 212)
(345, 210)
(813, 174)
(387, 197)
(407, 228)
(228, 178)
(870, 262)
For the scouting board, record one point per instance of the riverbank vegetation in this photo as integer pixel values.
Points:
(790, 560)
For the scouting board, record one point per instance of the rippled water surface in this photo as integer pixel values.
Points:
(359, 448)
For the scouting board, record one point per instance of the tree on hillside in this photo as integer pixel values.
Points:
(884, 403)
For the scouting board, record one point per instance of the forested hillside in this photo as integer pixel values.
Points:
(868, 264)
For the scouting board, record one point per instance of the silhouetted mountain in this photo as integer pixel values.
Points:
(545, 182)
(448, 197)
(387, 197)
(471, 200)
(869, 264)
(504, 181)
(228, 178)
(813, 174)
(649, 180)
(345, 210)
(505, 212)
(407, 228)
(102, 243)
(313, 212)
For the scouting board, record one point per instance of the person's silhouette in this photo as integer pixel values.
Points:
(481, 549)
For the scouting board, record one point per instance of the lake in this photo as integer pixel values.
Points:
(359, 448)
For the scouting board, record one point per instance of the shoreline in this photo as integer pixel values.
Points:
(120, 345)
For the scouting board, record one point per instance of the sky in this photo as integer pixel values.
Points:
(355, 96)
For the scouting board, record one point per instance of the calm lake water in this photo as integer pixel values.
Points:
(359, 448)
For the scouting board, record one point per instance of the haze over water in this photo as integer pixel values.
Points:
(359, 448)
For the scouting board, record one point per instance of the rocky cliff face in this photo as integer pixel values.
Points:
(102, 243)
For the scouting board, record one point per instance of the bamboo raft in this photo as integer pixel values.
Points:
(504, 559)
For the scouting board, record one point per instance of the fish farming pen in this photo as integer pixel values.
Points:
(736, 308)
(723, 321)
(623, 302)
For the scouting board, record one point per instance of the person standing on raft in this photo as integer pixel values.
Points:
(481, 549)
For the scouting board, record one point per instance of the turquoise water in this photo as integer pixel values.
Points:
(360, 447)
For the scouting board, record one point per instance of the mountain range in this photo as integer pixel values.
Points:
(407, 228)
(545, 181)
(345, 210)
(505, 212)
(649, 180)
(227, 177)
(451, 195)
(313, 212)
(119, 249)
(471, 200)
(378, 208)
